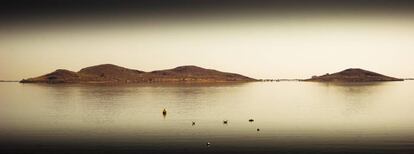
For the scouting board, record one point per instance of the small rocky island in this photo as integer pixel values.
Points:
(109, 73)
(353, 75)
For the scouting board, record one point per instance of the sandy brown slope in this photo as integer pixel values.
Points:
(108, 73)
(353, 75)
(194, 73)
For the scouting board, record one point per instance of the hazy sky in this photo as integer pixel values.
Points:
(268, 44)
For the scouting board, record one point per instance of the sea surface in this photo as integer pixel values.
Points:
(293, 117)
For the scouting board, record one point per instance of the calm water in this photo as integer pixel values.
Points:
(293, 117)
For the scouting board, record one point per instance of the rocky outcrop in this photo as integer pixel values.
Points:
(194, 73)
(353, 75)
(58, 76)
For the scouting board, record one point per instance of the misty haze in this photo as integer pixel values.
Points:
(184, 76)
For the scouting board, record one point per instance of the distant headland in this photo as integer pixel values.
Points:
(109, 73)
(353, 75)
(8, 81)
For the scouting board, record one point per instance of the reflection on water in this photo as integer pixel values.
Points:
(357, 96)
(290, 115)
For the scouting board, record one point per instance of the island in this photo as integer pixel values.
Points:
(109, 73)
(8, 81)
(353, 75)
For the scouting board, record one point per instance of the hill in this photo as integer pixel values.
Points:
(353, 75)
(109, 73)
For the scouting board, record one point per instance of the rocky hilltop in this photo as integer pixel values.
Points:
(109, 73)
(353, 75)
